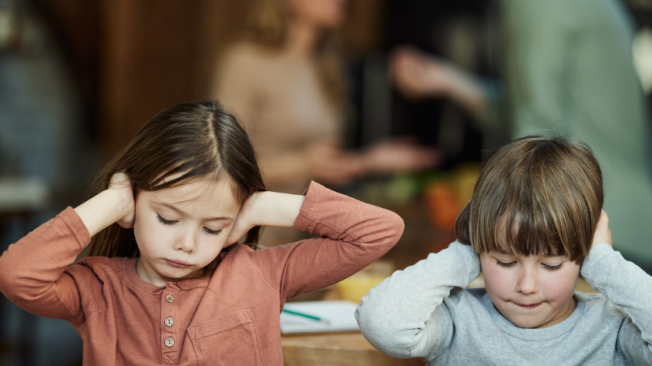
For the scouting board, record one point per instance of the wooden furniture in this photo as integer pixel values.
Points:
(336, 349)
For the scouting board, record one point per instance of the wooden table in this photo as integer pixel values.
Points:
(336, 349)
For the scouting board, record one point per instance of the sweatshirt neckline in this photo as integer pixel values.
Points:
(542, 334)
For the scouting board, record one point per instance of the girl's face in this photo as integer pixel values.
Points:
(321, 13)
(531, 291)
(182, 229)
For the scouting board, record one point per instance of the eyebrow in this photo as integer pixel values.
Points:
(182, 212)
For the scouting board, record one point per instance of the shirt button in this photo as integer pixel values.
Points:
(169, 321)
(169, 341)
(169, 298)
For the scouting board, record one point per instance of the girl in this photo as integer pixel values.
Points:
(532, 228)
(161, 285)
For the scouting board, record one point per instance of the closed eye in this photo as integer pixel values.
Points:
(503, 264)
(164, 221)
(552, 268)
(212, 232)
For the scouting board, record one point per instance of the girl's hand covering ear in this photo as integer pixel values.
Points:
(244, 221)
(120, 184)
(265, 209)
(602, 232)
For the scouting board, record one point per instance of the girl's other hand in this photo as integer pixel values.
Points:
(265, 209)
(120, 185)
(602, 232)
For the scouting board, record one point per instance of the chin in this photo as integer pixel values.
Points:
(175, 273)
(525, 323)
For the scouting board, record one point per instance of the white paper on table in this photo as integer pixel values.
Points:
(336, 315)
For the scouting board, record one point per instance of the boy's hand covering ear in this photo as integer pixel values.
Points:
(602, 233)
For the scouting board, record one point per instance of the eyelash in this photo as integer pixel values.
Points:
(508, 265)
(170, 222)
(505, 265)
(164, 221)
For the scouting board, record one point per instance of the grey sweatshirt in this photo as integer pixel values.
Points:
(425, 311)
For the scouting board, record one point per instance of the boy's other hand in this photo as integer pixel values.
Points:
(602, 232)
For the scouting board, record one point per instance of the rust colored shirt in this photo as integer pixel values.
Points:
(230, 318)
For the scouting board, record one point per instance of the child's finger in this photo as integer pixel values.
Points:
(602, 232)
(120, 180)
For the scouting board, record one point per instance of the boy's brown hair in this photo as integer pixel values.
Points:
(547, 190)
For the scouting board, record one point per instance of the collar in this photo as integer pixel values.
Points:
(137, 283)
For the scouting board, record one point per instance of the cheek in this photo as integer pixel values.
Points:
(559, 285)
(147, 231)
(498, 281)
(209, 250)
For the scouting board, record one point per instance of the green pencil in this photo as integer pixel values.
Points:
(305, 315)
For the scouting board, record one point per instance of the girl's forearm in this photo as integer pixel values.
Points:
(102, 210)
(276, 209)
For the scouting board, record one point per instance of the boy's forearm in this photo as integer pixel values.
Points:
(622, 282)
(394, 314)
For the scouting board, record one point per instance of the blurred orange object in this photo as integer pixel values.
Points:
(443, 204)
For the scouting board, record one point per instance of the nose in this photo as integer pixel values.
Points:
(186, 242)
(528, 282)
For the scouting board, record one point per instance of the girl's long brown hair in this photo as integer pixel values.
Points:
(191, 140)
(535, 196)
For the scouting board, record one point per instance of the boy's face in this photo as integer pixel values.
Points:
(531, 291)
(182, 229)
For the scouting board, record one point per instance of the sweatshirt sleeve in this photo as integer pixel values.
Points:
(630, 288)
(352, 234)
(404, 316)
(32, 270)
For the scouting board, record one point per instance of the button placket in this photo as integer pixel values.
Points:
(169, 304)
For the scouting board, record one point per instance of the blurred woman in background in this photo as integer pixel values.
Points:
(284, 79)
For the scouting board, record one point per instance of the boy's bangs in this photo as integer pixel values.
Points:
(528, 235)
(535, 196)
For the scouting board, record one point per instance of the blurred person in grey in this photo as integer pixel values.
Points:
(284, 79)
(567, 69)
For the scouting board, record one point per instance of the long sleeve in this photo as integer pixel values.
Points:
(630, 288)
(32, 270)
(352, 234)
(404, 317)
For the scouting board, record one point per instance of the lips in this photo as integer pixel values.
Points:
(178, 264)
(528, 306)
